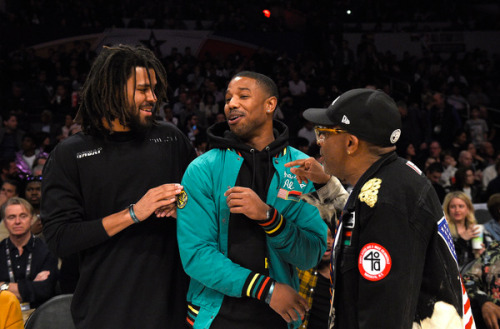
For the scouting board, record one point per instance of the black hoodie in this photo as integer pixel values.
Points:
(246, 239)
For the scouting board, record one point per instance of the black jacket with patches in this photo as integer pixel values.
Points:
(402, 214)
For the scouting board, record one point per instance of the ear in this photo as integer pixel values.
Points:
(270, 104)
(352, 144)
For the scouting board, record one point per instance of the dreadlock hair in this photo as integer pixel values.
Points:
(104, 94)
(262, 80)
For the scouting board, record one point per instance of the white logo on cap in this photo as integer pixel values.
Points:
(345, 120)
(395, 135)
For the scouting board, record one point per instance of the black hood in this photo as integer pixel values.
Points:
(220, 136)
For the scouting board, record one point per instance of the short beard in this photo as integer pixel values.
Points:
(137, 125)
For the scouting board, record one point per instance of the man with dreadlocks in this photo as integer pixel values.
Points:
(106, 191)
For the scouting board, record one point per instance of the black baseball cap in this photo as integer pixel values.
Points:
(368, 114)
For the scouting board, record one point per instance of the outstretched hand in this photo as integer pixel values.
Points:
(308, 170)
(288, 303)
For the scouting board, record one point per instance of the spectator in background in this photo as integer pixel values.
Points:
(10, 189)
(490, 172)
(457, 100)
(491, 124)
(478, 162)
(25, 158)
(40, 163)
(465, 182)
(209, 108)
(69, 128)
(307, 132)
(189, 112)
(494, 185)
(221, 117)
(492, 227)
(445, 120)
(192, 127)
(60, 103)
(10, 136)
(169, 115)
(33, 194)
(412, 125)
(47, 126)
(344, 59)
(477, 97)
(449, 169)
(8, 169)
(433, 173)
(296, 85)
(435, 150)
(410, 153)
(27, 266)
(465, 159)
(459, 143)
(180, 105)
(476, 127)
(482, 283)
(487, 152)
(459, 213)
(200, 143)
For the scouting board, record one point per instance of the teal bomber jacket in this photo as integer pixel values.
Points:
(202, 230)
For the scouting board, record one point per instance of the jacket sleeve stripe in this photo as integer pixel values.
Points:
(257, 286)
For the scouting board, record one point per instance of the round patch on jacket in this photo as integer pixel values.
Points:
(182, 199)
(374, 262)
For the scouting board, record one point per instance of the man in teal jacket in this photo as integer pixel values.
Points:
(242, 230)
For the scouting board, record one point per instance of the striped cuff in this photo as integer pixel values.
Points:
(192, 313)
(275, 225)
(257, 286)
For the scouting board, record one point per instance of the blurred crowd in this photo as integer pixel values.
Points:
(447, 102)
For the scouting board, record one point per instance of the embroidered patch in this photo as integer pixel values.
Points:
(395, 136)
(289, 195)
(444, 232)
(182, 199)
(369, 192)
(374, 262)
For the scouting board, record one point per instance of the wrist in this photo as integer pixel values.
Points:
(274, 223)
(258, 286)
(132, 213)
(325, 179)
(270, 293)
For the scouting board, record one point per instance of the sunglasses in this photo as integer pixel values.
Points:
(322, 132)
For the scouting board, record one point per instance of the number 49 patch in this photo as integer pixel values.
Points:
(374, 262)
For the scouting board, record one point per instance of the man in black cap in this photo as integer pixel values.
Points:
(393, 264)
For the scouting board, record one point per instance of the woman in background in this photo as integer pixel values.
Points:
(459, 213)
